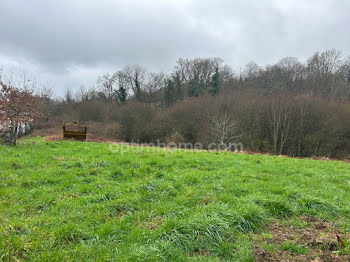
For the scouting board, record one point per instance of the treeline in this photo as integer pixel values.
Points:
(291, 107)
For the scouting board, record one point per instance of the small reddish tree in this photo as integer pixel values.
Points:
(17, 106)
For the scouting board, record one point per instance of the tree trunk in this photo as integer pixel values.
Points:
(14, 135)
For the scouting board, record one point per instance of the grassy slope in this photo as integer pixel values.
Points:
(71, 200)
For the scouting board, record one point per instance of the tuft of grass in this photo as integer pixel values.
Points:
(345, 247)
(294, 248)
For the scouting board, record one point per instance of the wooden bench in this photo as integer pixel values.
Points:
(75, 129)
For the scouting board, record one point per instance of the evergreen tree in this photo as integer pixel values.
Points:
(194, 87)
(215, 83)
(170, 92)
(178, 87)
(137, 88)
(122, 94)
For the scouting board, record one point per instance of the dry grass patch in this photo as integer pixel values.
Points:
(314, 240)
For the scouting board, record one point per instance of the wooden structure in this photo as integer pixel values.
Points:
(75, 129)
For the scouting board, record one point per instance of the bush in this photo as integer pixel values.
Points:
(176, 138)
(134, 119)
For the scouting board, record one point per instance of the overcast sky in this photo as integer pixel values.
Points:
(68, 43)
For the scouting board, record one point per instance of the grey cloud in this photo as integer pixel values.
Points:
(92, 36)
(63, 34)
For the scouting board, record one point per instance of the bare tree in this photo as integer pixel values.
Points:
(292, 72)
(321, 67)
(68, 96)
(18, 106)
(345, 69)
(224, 130)
(136, 79)
(106, 83)
(82, 94)
(252, 71)
(155, 82)
(279, 112)
(45, 94)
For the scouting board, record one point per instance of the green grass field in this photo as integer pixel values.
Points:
(74, 201)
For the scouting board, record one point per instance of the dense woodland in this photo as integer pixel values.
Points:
(291, 107)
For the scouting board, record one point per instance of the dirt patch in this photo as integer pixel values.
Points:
(318, 158)
(62, 159)
(317, 240)
(154, 223)
(200, 254)
(55, 134)
(47, 131)
(90, 138)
